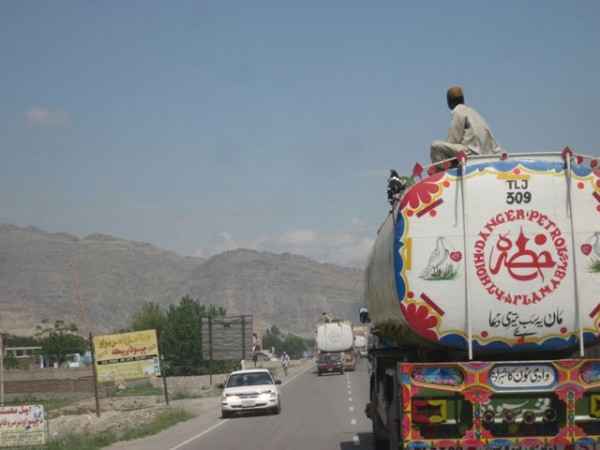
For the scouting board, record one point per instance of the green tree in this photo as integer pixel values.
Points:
(181, 338)
(294, 346)
(59, 341)
(272, 341)
(9, 361)
(150, 317)
(12, 340)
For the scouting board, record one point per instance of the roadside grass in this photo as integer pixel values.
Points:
(95, 441)
(180, 394)
(162, 421)
(137, 390)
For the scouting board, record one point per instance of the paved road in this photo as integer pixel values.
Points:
(318, 413)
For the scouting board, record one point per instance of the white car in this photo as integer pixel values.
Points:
(250, 390)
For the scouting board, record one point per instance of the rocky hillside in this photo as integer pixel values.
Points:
(116, 277)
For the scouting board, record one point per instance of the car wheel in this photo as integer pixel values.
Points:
(226, 414)
(277, 409)
(319, 373)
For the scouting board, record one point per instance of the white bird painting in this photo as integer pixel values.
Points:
(440, 256)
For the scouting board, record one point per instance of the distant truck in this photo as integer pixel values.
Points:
(361, 340)
(483, 292)
(336, 336)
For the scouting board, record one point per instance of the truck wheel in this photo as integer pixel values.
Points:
(378, 431)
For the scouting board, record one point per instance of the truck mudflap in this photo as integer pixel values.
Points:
(538, 405)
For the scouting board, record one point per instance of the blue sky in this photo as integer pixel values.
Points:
(205, 126)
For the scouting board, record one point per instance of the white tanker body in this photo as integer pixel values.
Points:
(480, 280)
(335, 336)
(505, 259)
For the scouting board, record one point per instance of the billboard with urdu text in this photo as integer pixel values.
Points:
(22, 426)
(126, 355)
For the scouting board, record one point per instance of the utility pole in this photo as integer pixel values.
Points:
(86, 322)
(1, 371)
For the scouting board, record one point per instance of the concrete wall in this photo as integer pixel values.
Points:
(50, 382)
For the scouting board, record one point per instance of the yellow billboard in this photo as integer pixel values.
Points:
(126, 355)
(22, 426)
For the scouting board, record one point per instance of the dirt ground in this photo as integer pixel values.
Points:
(120, 413)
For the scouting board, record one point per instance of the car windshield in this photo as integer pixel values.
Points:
(249, 379)
(329, 358)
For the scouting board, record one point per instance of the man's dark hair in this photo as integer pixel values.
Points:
(453, 102)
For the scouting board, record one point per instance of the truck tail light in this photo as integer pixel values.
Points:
(550, 415)
(528, 417)
(489, 416)
(509, 416)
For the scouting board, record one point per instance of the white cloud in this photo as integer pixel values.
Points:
(44, 116)
(298, 237)
(347, 246)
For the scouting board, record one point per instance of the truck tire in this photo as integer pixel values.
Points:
(378, 431)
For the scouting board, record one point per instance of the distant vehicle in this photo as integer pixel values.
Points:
(329, 363)
(348, 360)
(334, 336)
(250, 390)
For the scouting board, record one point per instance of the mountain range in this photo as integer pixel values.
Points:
(44, 275)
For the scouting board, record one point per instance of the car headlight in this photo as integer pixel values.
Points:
(271, 393)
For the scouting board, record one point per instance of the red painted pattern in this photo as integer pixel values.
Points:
(420, 320)
(423, 192)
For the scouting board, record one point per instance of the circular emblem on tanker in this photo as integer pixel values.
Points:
(334, 335)
(520, 256)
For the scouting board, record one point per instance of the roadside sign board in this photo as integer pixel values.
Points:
(227, 337)
(22, 426)
(126, 355)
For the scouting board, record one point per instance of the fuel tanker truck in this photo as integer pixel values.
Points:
(336, 336)
(483, 293)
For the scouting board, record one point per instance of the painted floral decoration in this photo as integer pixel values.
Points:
(420, 320)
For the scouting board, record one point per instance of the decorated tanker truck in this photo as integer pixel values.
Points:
(336, 336)
(483, 291)
(361, 335)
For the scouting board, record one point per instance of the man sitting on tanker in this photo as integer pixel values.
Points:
(469, 132)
